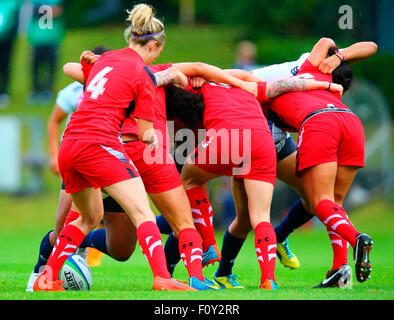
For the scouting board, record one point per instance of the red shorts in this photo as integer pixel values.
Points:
(331, 137)
(241, 153)
(85, 164)
(156, 167)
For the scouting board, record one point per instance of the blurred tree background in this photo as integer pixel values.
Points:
(280, 28)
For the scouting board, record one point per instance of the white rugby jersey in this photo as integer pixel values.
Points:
(69, 98)
(280, 71)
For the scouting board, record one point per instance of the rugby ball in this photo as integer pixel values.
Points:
(76, 274)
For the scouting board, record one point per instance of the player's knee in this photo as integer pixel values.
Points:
(241, 226)
(317, 199)
(121, 253)
(339, 198)
(92, 221)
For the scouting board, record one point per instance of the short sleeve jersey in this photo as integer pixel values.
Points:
(160, 115)
(69, 98)
(119, 81)
(290, 109)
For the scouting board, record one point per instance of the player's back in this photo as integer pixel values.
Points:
(111, 87)
(290, 109)
(231, 108)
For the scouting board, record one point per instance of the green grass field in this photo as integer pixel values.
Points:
(24, 222)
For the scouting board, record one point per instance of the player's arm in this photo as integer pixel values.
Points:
(270, 90)
(74, 71)
(57, 116)
(171, 76)
(320, 50)
(213, 73)
(144, 113)
(243, 75)
(355, 53)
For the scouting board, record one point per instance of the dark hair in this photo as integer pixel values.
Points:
(99, 50)
(184, 105)
(343, 74)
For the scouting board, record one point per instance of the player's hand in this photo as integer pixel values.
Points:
(197, 82)
(150, 138)
(250, 87)
(329, 64)
(179, 78)
(335, 87)
(54, 166)
(89, 57)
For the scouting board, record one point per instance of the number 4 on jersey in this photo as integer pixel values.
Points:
(96, 86)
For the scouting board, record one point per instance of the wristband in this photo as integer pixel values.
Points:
(340, 56)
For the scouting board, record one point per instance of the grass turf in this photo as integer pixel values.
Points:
(25, 222)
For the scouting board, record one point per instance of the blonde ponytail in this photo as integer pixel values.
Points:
(143, 26)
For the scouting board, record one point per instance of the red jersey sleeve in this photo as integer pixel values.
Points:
(86, 68)
(261, 95)
(307, 66)
(145, 88)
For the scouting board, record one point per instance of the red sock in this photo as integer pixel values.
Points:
(151, 245)
(71, 216)
(265, 243)
(190, 249)
(340, 249)
(335, 218)
(202, 216)
(66, 244)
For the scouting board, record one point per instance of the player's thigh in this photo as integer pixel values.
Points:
(90, 207)
(286, 173)
(131, 196)
(319, 183)
(343, 181)
(259, 200)
(241, 226)
(193, 176)
(175, 207)
(63, 207)
(121, 235)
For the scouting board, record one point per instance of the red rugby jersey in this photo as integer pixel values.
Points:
(290, 109)
(160, 116)
(117, 81)
(231, 108)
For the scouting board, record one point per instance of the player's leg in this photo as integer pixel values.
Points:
(136, 205)
(259, 203)
(121, 235)
(344, 179)
(174, 206)
(297, 214)
(234, 238)
(319, 185)
(49, 240)
(90, 207)
(194, 179)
